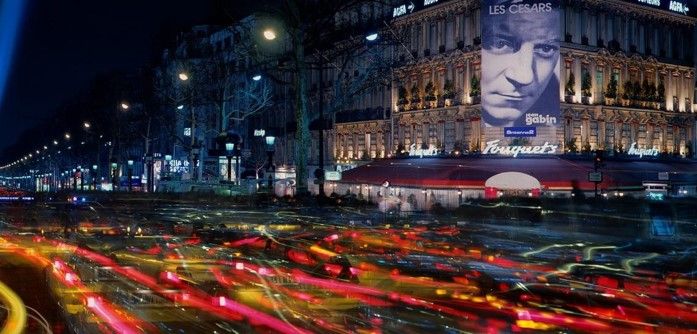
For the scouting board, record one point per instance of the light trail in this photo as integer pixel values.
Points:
(17, 313)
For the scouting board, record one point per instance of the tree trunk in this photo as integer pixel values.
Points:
(193, 170)
(302, 133)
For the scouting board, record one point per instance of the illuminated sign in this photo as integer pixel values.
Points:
(520, 131)
(520, 98)
(679, 7)
(420, 152)
(673, 6)
(492, 147)
(259, 133)
(641, 152)
(409, 7)
(332, 176)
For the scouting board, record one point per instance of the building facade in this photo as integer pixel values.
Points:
(627, 80)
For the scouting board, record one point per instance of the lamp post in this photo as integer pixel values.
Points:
(74, 179)
(149, 164)
(94, 177)
(230, 150)
(195, 149)
(82, 178)
(270, 150)
(130, 175)
(168, 160)
(114, 180)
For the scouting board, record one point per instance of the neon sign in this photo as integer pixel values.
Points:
(420, 152)
(678, 7)
(492, 147)
(641, 152)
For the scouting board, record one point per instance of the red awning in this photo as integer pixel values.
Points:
(552, 172)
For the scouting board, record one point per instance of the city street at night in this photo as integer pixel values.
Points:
(130, 267)
(348, 166)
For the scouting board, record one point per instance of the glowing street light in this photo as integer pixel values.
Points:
(67, 135)
(87, 125)
(55, 142)
(180, 107)
(371, 37)
(256, 77)
(183, 76)
(269, 34)
(124, 106)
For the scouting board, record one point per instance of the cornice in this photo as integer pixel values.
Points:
(619, 59)
(638, 11)
(628, 9)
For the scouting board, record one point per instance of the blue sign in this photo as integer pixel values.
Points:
(520, 131)
(681, 7)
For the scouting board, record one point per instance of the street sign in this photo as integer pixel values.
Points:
(332, 176)
(595, 177)
(663, 176)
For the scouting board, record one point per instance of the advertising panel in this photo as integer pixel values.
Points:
(520, 71)
(679, 7)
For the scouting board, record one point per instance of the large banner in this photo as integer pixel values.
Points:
(520, 70)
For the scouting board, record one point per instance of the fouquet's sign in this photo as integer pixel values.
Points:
(641, 152)
(493, 147)
(421, 152)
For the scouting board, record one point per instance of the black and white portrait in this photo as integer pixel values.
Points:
(520, 62)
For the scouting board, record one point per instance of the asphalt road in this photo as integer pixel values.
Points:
(128, 267)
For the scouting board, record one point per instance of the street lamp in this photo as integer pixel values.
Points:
(371, 37)
(114, 171)
(130, 174)
(230, 149)
(124, 106)
(183, 76)
(74, 179)
(269, 34)
(87, 125)
(270, 149)
(67, 136)
(256, 77)
(94, 178)
(82, 177)
(168, 159)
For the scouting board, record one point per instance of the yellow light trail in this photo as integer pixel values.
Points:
(17, 313)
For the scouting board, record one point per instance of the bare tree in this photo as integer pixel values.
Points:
(310, 28)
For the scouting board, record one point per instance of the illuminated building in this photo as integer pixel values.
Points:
(632, 41)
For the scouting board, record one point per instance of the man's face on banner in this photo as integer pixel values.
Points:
(521, 53)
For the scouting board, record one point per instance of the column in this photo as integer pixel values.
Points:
(601, 135)
(664, 134)
(440, 130)
(476, 138)
(618, 135)
(460, 132)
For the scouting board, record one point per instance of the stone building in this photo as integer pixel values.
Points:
(646, 53)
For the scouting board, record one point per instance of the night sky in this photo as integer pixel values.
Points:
(64, 44)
